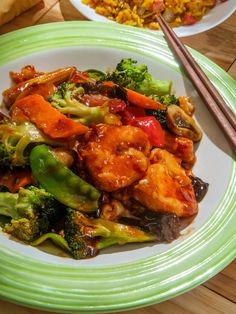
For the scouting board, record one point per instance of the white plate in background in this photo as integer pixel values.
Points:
(213, 18)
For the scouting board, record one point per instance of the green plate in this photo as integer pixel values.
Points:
(131, 276)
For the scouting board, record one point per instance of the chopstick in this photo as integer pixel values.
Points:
(222, 114)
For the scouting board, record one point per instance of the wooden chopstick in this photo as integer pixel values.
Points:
(211, 97)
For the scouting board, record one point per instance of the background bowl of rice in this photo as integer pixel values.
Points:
(213, 17)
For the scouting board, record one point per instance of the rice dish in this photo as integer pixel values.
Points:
(141, 13)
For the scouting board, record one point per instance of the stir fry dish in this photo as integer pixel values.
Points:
(142, 13)
(90, 159)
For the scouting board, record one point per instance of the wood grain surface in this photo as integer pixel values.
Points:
(218, 295)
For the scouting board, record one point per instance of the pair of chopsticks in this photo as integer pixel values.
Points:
(222, 114)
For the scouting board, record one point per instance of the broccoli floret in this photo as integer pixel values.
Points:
(136, 77)
(64, 93)
(160, 114)
(5, 156)
(57, 239)
(86, 236)
(15, 140)
(166, 100)
(68, 100)
(128, 74)
(8, 203)
(97, 75)
(34, 212)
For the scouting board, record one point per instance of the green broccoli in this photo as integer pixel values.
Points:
(166, 100)
(86, 236)
(57, 239)
(68, 100)
(8, 203)
(136, 77)
(34, 212)
(160, 114)
(96, 75)
(5, 155)
(16, 141)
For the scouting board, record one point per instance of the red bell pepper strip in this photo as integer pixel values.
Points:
(152, 128)
(138, 99)
(130, 113)
(48, 119)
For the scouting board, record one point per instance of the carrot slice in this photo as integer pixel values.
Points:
(17, 115)
(142, 101)
(48, 119)
(138, 99)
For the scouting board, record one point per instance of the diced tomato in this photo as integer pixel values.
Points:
(152, 128)
(116, 105)
(158, 6)
(95, 100)
(189, 19)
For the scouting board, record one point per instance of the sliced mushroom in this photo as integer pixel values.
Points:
(182, 124)
(168, 15)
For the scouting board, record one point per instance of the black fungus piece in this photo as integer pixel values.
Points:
(93, 88)
(200, 188)
(166, 227)
(111, 91)
(159, 114)
(3, 188)
(118, 92)
(103, 199)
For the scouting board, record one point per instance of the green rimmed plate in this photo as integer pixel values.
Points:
(130, 276)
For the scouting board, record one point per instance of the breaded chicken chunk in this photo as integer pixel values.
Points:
(116, 156)
(166, 188)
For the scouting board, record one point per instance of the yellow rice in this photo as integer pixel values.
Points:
(140, 13)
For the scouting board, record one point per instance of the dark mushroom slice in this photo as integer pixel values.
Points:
(182, 124)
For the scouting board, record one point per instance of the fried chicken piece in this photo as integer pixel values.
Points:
(116, 156)
(181, 147)
(166, 188)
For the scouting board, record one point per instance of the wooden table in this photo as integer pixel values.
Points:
(217, 295)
